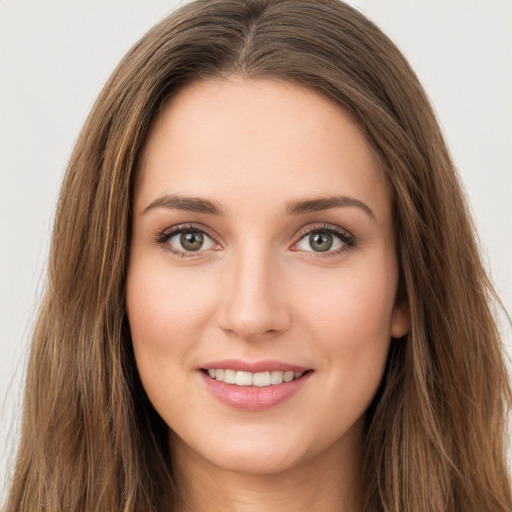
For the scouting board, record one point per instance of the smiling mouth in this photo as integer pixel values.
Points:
(259, 379)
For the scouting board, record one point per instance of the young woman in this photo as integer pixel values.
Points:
(264, 290)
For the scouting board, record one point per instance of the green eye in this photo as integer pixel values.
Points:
(325, 239)
(187, 240)
(321, 241)
(191, 240)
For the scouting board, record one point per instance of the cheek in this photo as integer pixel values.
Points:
(163, 307)
(166, 313)
(164, 323)
(356, 302)
(351, 323)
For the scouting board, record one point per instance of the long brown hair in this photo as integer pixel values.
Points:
(435, 433)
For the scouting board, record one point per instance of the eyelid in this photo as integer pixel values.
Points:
(162, 237)
(348, 240)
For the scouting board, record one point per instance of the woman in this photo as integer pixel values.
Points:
(264, 289)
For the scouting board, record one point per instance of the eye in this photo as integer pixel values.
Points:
(186, 239)
(330, 240)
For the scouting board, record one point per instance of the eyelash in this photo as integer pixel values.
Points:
(164, 237)
(348, 240)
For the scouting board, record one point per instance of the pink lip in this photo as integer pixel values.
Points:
(254, 367)
(253, 398)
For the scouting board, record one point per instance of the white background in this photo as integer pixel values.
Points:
(56, 55)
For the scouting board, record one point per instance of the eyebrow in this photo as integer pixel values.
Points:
(326, 203)
(189, 204)
(300, 207)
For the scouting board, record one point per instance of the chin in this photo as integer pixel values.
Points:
(259, 453)
(256, 461)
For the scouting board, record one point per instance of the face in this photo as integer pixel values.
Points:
(262, 275)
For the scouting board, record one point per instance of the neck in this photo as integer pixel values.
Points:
(326, 483)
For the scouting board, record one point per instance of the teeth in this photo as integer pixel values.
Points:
(243, 379)
(276, 377)
(260, 379)
(229, 376)
(288, 376)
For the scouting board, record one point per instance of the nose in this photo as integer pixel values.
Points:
(254, 301)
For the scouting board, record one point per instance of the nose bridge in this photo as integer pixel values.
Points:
(253, 304)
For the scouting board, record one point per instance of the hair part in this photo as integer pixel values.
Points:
(435, 433)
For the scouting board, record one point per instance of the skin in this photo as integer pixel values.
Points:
(258, 290)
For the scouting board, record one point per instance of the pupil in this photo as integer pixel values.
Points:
(191, 241)
(321, 242)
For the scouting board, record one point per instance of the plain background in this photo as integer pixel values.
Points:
(56, 55)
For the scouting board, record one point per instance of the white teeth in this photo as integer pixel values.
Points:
(243, 379)
(288, 376)
(260, 379)
(229, 376)
(276, 377)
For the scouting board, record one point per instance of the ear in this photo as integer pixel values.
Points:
(400, 319)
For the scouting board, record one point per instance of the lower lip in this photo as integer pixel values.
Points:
(253, 398)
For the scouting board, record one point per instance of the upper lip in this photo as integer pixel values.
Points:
(253, 366)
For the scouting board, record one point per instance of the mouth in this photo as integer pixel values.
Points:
(268, 384)
(258, 379)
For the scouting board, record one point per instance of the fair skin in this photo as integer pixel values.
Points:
(254, 278)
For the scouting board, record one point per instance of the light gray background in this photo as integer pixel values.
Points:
(56, 55)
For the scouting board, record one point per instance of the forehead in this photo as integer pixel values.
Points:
(234, 137)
